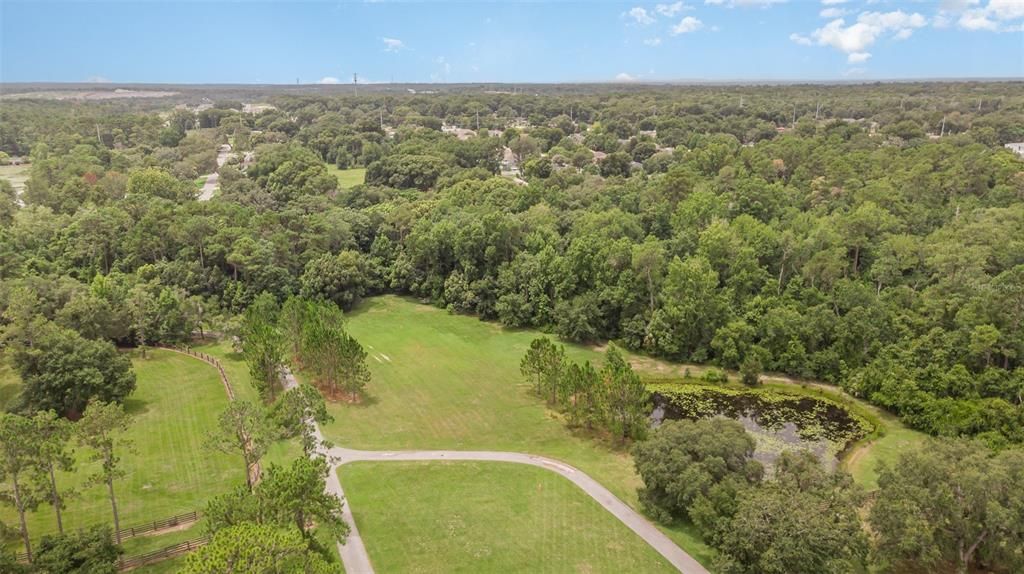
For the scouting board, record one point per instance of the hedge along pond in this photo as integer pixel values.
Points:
(778, 421)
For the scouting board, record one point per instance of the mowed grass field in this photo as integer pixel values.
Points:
(446, 517)
(169, 471)
(444, 381)
(348, 178)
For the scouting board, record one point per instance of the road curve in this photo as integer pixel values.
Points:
(353, 551)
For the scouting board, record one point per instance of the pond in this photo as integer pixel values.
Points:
(778, 421)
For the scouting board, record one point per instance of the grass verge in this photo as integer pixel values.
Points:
(487, 517)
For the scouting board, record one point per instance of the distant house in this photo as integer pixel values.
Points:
(1017, 148)
(461, 133)
(255, 109)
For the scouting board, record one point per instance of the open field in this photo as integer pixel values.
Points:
(348, 178)
(443, 381)
(170, 472)
(17, 175)
(445, 517)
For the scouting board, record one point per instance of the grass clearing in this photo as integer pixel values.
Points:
(17, 175)
(445, 517)
(348, 178)
(444, 381)
(170, 472)
(863, 462)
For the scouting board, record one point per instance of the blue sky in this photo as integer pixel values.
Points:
(596, 41)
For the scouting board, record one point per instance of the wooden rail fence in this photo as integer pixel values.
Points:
(145, 528)
(256, 472)
(158, 525)
(162, 554)
(211, 360)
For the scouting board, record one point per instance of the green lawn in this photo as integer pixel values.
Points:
(348, 178)
(170, 472)
(447, 381)
(445, 517)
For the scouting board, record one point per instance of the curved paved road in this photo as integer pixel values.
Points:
(353, 552)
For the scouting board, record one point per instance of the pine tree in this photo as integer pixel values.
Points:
(355, 373)
(628, 399)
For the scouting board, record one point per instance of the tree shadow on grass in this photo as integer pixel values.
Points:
(366, 401)
(343, 400)
(135, 407)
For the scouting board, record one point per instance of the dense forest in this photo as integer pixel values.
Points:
(870, 236)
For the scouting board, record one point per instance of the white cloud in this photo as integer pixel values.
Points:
(858, 57)
(869, 27)
(854, 72)
(1006, 9)
(653, 41)
(687, 25)
(328, 80)
(976, 20)
(996, 16)
(640, 15)
(833, 2)
(903, 34)
(624, 77)
(801, 39)
(393, 44)
(669, 10)
(833, 12)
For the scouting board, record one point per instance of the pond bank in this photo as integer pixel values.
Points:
(884, 440)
